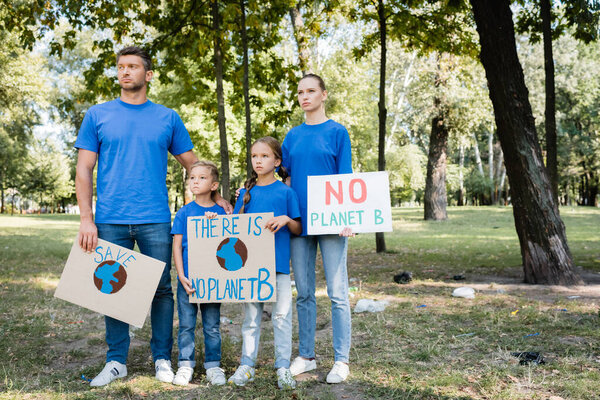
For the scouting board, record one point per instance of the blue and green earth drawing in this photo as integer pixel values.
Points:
(232, 254)
(110, 277)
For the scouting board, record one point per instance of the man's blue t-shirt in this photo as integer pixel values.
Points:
(132, 142)
(321, 149)
(191, 209)
(279, 199)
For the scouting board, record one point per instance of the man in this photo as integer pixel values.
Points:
(130, 138)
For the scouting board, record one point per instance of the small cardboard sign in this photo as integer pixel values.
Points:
(231, 259)
(112, 280)
(359, 201)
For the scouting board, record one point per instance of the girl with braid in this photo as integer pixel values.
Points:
(265, 193)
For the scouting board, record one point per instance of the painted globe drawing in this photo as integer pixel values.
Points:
(232, 254)
(110, 277)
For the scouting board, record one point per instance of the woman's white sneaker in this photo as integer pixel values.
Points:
(338, 373)
(301, 365)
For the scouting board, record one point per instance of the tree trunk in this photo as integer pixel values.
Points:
(477, 155)
(544, 249)
(379, 237)
(221, 102)
(435, 198)
(461, 183)
(491, 165)
(246, 91)
(301, 38)
(550, 112)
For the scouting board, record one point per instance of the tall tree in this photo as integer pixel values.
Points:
(382, 19)
(218, 61)
(544, 249)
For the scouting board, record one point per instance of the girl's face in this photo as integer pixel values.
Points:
(201, 181)
(264, 161)
(310, 95)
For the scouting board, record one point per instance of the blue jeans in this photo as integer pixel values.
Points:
(281, 317)
(211, 319)
(303, 252)
(153, 240)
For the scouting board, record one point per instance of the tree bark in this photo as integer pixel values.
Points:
(301, 38)
(550, 112)
(435, 199)
(544, 249)
(379, 237)
(461, 183)
(477, 155)
(218, 55)
(246, 91)
(491, 165)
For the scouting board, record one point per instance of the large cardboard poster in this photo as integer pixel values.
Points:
(360, 201)
(231, 258)
(112, 280)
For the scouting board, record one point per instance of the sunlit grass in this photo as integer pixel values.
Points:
(450, 349)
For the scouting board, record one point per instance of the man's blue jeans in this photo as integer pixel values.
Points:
(153, 240)
(334, 250)
(211, 320)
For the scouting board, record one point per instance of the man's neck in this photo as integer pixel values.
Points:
(134, 97)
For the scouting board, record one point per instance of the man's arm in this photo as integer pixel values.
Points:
(88, 233)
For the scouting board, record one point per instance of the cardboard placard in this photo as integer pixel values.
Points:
(359, 201)
(231, 259)
(112, 280)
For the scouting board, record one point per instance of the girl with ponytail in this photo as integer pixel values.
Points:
(265, 193)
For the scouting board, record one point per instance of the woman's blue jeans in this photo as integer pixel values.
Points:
(153, 240)
(334, 253)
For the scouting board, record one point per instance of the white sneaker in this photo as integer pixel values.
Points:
(301, 365)
(112, 370)
(183, 376)
(338, 373)
(164, 372)
(216, 376)
(242, 375)
(285, 380)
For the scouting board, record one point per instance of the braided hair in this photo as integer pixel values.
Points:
(281, 171)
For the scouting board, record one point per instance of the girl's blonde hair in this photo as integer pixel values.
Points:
(282, 172)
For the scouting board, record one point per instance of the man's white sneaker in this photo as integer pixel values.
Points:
(242, 375)
(112, 370)
(183, 376)
(285, 380)
(216, 376)
(338, 373)
(164, 372)
(301, 365)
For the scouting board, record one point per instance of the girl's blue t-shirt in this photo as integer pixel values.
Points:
(191, 209)
(321, 149)
(133, 142)
(279, 199)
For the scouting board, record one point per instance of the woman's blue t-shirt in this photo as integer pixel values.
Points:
(321, 149)
(192, 209)
(279, 199)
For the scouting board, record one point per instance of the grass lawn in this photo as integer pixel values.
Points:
(425, 345)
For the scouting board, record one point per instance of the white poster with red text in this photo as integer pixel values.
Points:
(359, 201)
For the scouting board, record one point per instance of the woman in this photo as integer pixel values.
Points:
(320, 146)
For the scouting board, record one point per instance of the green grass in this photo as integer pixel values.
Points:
(404, 352)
